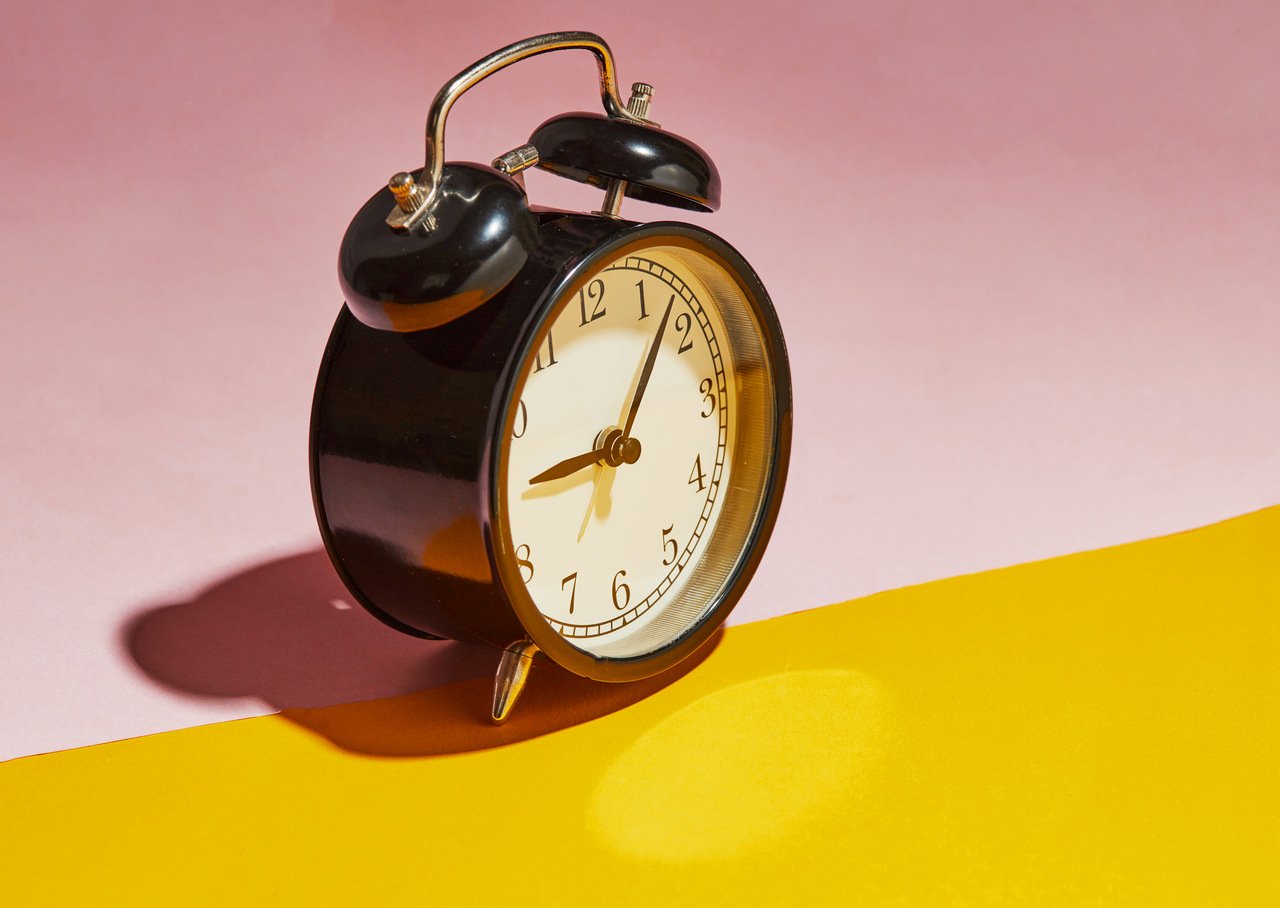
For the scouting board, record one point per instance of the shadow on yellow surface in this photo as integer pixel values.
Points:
(1094, 729)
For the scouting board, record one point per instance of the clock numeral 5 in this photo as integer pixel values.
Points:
(696, 475)
(669, 543)
(571, 579)
(523, 562)
(593, 293)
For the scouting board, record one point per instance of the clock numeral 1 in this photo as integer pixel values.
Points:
(623, 588)
(538, 364)
(521, 422)
(640, 287)
(572, 578)
(705, 387)
(594, 293)
(523, 562)
(669, 543)
(696, 475)
(685, 344)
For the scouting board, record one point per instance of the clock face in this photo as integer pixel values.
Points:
(631, 483)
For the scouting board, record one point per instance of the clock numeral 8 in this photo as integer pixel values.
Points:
(523, 562)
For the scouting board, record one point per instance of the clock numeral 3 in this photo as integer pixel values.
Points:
(696, 475)
(685, 344)
(538, 364)
(669, 543)
(523, 562)
(593, 293)
(705, 387)
(571, 579)
(521, 422)
(623, 588)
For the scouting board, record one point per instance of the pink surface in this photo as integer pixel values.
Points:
(1025, 256)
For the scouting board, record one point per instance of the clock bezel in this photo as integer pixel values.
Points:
(577, 273)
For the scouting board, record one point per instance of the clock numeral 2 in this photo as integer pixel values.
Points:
(669, 543)
(696, 475)
(594, 293)
(571, 579)
(685, 344)
(523, 562)
(538, 364)
(521, 423)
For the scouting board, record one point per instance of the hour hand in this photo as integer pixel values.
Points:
(568, 466)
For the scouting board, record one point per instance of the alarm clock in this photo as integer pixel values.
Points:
(547, 431)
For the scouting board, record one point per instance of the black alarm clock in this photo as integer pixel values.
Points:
(550, 431)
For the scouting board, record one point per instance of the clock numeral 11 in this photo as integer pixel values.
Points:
(538, 364)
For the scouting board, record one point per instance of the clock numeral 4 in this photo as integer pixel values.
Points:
(592, 293)
(538, 364)
(620, 588)
(572, 582)
(523, 562)
(671, 544)
(696, 476)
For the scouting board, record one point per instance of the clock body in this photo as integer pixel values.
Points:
(425, 448)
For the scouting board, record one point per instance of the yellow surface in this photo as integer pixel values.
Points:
(1095, 729)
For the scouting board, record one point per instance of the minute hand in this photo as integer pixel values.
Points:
(647, 371)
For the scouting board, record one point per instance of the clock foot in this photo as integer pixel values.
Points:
(513, 672)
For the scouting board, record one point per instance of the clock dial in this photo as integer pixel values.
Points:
(621, 453)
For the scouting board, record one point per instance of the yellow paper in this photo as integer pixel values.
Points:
(1094, 729)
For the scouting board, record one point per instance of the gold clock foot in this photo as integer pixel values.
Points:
(513, 672)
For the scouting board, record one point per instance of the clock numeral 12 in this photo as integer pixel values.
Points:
(594, 292)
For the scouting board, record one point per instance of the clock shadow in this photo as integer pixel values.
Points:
(287, 633)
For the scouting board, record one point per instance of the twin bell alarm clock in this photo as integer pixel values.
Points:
(547, 431)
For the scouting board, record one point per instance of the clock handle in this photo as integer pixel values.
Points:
(423, 193)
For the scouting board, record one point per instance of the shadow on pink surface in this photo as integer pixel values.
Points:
(286, 632)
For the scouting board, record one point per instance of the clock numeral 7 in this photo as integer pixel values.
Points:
(696, 475)
(593, 293)
(571, 579)
(669, 543)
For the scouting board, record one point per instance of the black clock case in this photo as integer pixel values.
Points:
(403, 438)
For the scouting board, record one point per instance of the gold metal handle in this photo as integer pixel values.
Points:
(425, 191)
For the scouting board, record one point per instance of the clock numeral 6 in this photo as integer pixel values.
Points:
(523, 562)
(696, 475)
(521, 422)
(620, 588)
(593, 293)
(705, 387)
(669, 543)
(571, 579)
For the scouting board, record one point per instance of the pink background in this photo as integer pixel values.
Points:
(1025, 255)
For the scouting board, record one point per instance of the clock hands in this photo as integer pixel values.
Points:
(648, 369)
(613, 446)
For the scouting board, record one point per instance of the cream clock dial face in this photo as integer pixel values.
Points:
(608, 549)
